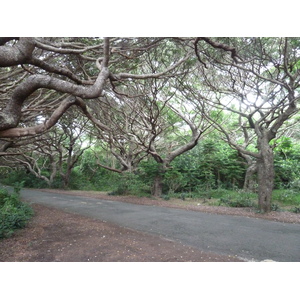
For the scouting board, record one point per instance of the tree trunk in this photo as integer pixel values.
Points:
(265, 172)
(250, 179)
(157, 186)
(66, 180)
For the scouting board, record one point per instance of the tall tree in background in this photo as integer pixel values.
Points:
(53, 154)
(150, 120)
(259, 82)
(143, 115)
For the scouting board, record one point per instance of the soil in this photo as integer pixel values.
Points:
(57, 236)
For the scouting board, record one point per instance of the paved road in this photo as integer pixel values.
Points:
(248, 238)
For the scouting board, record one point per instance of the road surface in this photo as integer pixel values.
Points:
(248, 238)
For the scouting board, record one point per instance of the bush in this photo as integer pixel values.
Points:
(130, 184)
(286, 197)
(296, 209)
(241, 203)
(28, 179)
(4, 194)
(165, 197)
(14, 214)
(237, 198)
(174, 180)
(275, 207)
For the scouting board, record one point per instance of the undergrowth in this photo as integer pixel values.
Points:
(282, 200)
(14, 213)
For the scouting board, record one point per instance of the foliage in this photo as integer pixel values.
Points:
(286, 164)
(238, 203)
(212, 164)
(129, 183)
(20, 175)
(275, 207)
(296, 209)
(286, 197)
(174, 180)
(14, 214)
(165, 197)
(148, 170)
(237, 198)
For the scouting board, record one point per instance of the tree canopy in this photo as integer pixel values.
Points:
(144, 98)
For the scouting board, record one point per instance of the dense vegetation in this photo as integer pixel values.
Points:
(14, 213)
(211, 170)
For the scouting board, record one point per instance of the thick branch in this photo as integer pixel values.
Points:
(10, 116)
(109, 168)
(57, 70)
(18, 53)
(224, 47)
(291, 110)
(150, 75)
(8, 154)
(59, 49)
(30, 131)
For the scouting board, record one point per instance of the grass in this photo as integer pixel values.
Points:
(281, 199)
(287, 197)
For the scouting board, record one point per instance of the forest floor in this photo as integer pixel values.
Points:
(57, 236)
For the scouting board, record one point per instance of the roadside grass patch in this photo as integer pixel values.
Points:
(287, 199)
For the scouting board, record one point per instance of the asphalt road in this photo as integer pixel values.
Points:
(248, 238)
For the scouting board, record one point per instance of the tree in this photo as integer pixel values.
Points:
(43, 77)
(136, 91)
(150, 121)
(259, 82)
(139, 116)
(44, 74)
(75, 69)
(55, 153)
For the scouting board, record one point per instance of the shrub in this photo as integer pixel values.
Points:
(165, 197)
(286, 197)
(241, 203)
(296, 209)
(223, 201)
(130, 184)
(237, 199)
(3, 196)
(275, 207)
(14, 214)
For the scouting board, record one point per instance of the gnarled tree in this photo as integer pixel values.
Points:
(259, 82)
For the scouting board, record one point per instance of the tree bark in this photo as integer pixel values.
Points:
(157, 186)
(250, 180)
(66, 179)
(265, 172)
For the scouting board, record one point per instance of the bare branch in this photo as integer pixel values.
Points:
(224, 47)
(31, 131)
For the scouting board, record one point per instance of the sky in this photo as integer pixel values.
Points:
(152, 18)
